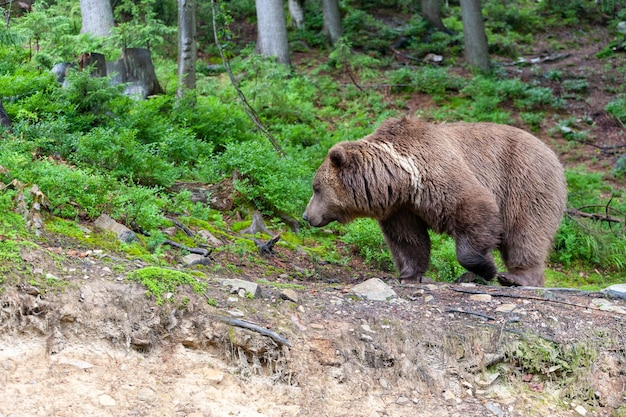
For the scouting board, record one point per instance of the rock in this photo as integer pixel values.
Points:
(236, 313)
(239, 284)
(617, 290)
(214, 376)
(494, 408)
(124, 234)
(374, 289)
(170, 231)
(289, 295)
(487, 379)
(605, 305)
(402, 400)
(506, 308)
(196, 259)
(449, 397)
(212, 240)
(383, 383)
(581, 410)
(106, 400)
(146, 394)
(621, 28)
(485, 298)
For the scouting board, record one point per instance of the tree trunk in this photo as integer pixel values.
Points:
(475, 39)
(5, 121)
(332, 20)
(431, 11)
(296, 10)
(272, 30)
(186, 46)
(97, 16)
(135, 68)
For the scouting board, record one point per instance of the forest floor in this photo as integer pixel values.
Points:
(93, 344)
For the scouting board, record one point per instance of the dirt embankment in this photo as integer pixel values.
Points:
(101, 347)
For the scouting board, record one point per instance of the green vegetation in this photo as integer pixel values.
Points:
(90, 149)
(160, 281)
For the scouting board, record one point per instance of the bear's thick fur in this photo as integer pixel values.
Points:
(488, 186)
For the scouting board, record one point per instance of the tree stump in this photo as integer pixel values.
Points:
(135, 68)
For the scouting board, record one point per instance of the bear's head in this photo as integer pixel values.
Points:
(348, 184)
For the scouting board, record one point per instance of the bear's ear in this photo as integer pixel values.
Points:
(338, 156)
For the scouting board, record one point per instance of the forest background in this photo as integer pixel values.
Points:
(77, 149)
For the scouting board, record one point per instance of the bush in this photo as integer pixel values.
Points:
(366, 237)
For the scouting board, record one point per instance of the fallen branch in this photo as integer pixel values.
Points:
(199, 251)
(182, 227)
(267, 248)
(525, 297)
(255, 328)
(473, 313)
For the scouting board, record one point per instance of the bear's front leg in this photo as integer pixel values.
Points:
(409, 244)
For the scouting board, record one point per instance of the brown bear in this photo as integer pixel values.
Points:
(488, 186)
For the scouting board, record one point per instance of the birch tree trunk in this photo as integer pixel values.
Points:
(296, 10)
(97, 17)
(186, 46)
(272, 30)
(332, 20)
(475, 39)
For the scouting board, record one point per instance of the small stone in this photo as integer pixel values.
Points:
(581, 410)
(494, 408)
(402, 400)
(486, 379)
(375, 290)
(146, 394)
(317, 326)
(106, 400)
(196, 259)
(506, 308)
(212, 240)
(38, 271)
(8, 365)
(383, 383)
(449, 397)
(289, 295)
(238, 284)
(367, 328)
(428, 298)
(235, 313)
(213, 375)
(485, 298)
(232, 300)
(621, 28)
(170, 231)
(367, 338)
(301, 309)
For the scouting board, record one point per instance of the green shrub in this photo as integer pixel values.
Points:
(617, 108)
(368, 241)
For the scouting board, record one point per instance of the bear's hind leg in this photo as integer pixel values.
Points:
(528, 277)
(476, 260)
(524, 255)
(409, 244)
